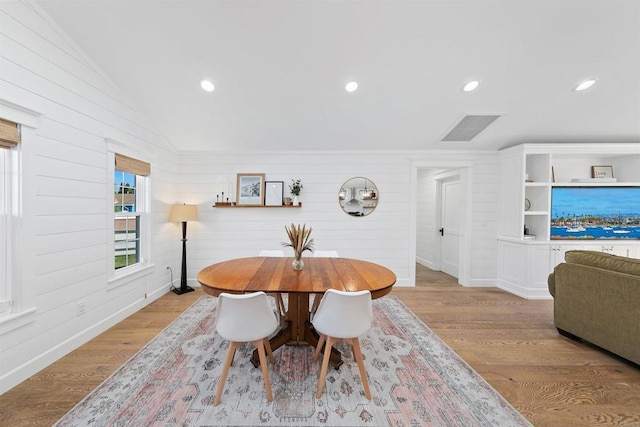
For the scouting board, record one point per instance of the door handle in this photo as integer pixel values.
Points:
(441, 231)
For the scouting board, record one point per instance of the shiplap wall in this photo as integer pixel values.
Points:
(485, 220)
(385, 236)
(222, 233)
(66, 194)
(67, 201)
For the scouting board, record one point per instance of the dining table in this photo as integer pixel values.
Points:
(274, 275)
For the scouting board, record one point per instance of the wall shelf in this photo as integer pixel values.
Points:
(218, 205)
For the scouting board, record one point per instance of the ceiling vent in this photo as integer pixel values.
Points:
(469, 126)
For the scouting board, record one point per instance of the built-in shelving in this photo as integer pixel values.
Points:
(530, 172)
(596, 184)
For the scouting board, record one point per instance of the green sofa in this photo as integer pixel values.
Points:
(596, 297)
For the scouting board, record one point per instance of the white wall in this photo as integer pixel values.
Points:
(385, 236)
(223, 233)
(66, 201)
(66, 194)
(485, 220)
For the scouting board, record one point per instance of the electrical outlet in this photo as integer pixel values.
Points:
(82, 307)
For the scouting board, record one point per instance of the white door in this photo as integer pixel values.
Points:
(450, 225)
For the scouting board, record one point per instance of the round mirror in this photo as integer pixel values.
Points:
(358, 196)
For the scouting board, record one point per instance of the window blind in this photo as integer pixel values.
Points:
(9, 134)
(131, 165)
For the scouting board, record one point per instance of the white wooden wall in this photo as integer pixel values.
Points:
(485, 220)
(223, 233)
(66, 194)
(67, 199)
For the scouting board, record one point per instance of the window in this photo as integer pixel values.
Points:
(129, 206)
(9, 140)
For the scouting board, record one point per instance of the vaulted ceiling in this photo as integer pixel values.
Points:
(280, 70)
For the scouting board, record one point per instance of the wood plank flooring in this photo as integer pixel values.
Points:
(511, 342)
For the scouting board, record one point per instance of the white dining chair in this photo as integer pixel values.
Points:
(245, 318)
(272, 252)
(346, 316)
(276, 295)
(326, 254)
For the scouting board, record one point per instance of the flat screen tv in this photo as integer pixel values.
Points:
(590, 213)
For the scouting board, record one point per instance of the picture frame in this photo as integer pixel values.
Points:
(250, 189)
(601, 171)
(273, 193)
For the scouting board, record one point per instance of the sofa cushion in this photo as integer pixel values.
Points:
(605, 261)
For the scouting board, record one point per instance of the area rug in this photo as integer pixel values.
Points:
(415, 380)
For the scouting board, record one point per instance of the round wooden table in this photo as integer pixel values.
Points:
(275, 275)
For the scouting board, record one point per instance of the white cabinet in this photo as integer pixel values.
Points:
(529, 173)
(620, 249)
(544, 258)
(526, 267)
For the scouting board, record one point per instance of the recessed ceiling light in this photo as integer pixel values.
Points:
(470, 86)
(207, 85)
(584, 85)
(351, 87)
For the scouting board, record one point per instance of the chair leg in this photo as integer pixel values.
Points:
(325, 364)
(363, 373)
(267, 346)
(265, 369)
(321, 341)
(233, 356)
(225, 371)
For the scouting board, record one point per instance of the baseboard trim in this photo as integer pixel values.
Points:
(481, 283)
(532, 294)
(425, 263)
(33, 366)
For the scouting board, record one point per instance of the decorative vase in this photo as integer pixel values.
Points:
(296, 202)
(297, 264)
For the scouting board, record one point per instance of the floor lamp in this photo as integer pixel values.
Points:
(183, 213)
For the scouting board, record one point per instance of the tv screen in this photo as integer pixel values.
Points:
(591, 213)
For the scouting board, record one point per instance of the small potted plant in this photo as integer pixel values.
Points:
(294, 188)
(300, 240)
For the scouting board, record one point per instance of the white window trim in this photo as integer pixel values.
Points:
(124, 275)
(21, 203)
(6, 243)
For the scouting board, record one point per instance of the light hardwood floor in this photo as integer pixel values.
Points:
(511, 342)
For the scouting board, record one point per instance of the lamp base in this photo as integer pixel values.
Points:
(182, 290)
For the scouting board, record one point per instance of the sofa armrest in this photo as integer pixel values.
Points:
(551, 282)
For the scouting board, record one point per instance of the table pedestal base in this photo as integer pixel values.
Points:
(298, 331)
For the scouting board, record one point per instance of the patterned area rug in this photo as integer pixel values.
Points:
(415, 380)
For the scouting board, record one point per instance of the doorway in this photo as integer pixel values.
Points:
(442, 218)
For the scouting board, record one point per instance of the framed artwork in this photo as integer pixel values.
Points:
(601, 171)
(250, 189)
(273, 193)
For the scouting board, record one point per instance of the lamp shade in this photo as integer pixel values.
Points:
(180, 213)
